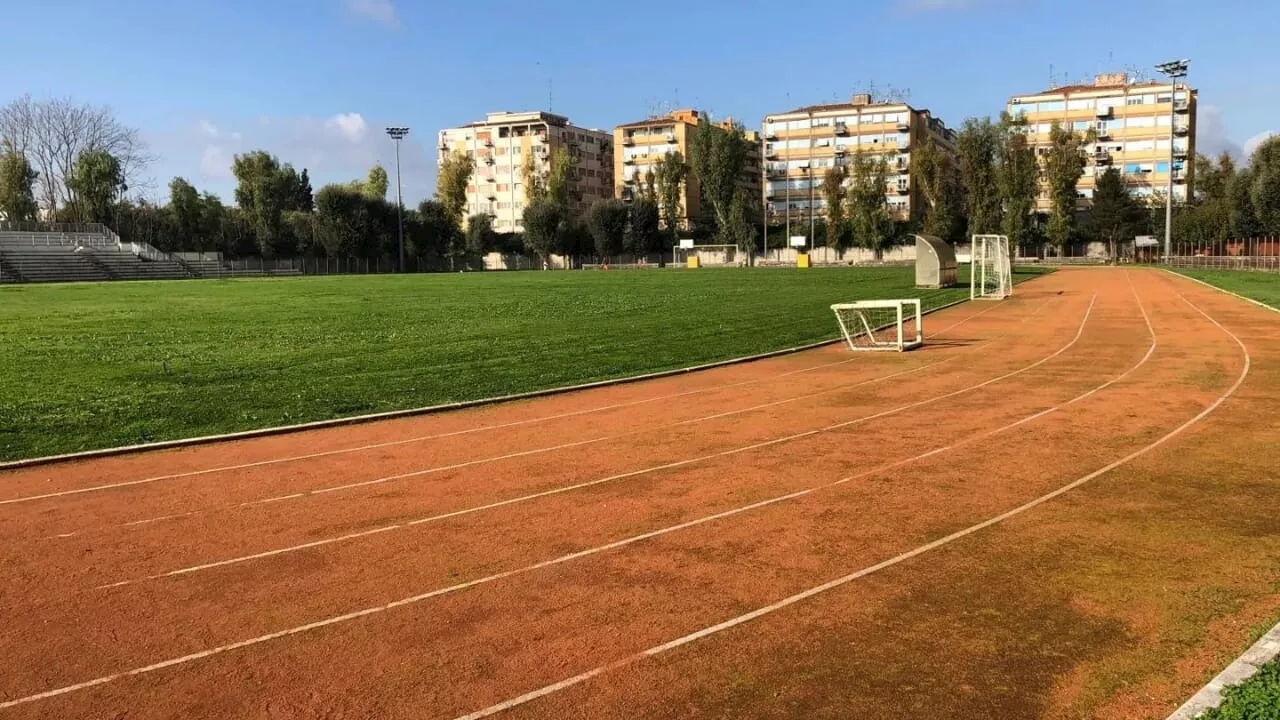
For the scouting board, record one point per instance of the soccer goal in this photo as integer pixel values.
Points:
(881, 324)
(991, 269)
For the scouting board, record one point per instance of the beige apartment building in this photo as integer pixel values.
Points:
(638, 147)
(1134, 123)
(803, 144)
(503, 141)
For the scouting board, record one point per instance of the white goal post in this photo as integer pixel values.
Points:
(991, 269)
(881, 324)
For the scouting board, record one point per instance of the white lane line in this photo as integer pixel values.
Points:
(611, 478)
(840, 581)
(438, 436)
(471, 583)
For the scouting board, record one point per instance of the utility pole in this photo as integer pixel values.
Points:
(1174, 70)
(397, 134)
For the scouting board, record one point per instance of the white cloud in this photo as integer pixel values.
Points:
(208, 128)
(215, 163)
(1252, 143)
(382, 12)
(1211, 134)
(350, 125)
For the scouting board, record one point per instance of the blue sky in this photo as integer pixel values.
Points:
(315, 81)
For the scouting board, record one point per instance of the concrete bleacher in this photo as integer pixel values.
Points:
(80, 253)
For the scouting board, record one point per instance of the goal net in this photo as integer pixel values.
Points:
(880, 324)
(992, 270)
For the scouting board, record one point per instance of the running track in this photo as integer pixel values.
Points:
(817, 535)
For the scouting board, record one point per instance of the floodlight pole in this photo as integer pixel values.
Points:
(397, 134)
(1174, 71)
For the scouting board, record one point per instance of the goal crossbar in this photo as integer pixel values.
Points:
(881, 324)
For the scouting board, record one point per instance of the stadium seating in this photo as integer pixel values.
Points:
(91, 255)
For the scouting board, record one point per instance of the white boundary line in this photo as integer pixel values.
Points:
(413, 412)
(423, 438)
(584, 553)
(591, 483)
(1211, 286)
(838, 582)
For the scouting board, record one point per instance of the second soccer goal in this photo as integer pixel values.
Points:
(992, 269)
(880, 324)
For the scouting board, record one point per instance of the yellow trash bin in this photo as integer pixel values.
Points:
(802, 260)
(692, 262)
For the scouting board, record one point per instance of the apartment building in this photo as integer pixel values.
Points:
(803, 144)
(638, 147)
(501, 144)
(1133, 122)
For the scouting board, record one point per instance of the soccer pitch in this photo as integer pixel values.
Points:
(98, 365)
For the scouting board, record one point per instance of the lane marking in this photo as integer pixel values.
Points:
(592, 483)
(443, 591)
(455, 433)
(840, 581)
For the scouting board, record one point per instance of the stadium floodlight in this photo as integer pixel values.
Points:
(1174, 70)
(397, 134)
(990, 270)
(881, 324)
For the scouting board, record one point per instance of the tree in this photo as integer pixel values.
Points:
(1241, 213)
(17, 186)
(376, 185)
(1063, 167)
(642, 228)
(978, 144)
(1017, 177)
(542, 218)
(214, 230)
(480, 234)
(297, 190)
(554, 183)
(53, 134)
(740, 230)
(96, 182)
(939, 182)
(717, 156)
(433, 231)
(869, 216)
(262, 192)
(837, 224)
(1264, 188)
(669, 176)
(607, 223)
(451, 186)
(1115, 216)
(188, 210)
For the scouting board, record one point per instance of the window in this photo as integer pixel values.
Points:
(1018, 110)
(1162, 97)
(1162, 167)
(1083, 125)
(503, 187)
(1133, 100)
(1080, 104)
(1141, 122)
(1054, 106)
(1132, 168)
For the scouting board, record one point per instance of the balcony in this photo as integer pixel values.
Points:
(841, 151)
(1180, 155)
(671, 138)
(488, 142)
(628, 140)
(771, 136)
(904, 127)
(488, 161)
(629, 161)
(777, 174)
(840, 128)
(1102, 157)
(1104, 134)
(1181, 130)
(1104, 111)
(1179, 176)
(904, 189)
(771, 155)
(1181, 106)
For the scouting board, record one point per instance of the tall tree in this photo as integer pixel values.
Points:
(17, 186)
(1017, 180)
(297, 190)
(869, 216)
(53, 134)
(642, 228)
(1063, 167)
(552, 183)
(433, 230)
(938, 179)
(187, 209)
(607, 223)
(1264, 167)
(542, 219)
(669, 176)
(451, 185)
(262, 192)
(96, 182)
(1241, 213)
(978, 145)
(833, 198)
(740, 230)
(1115, 216)
(480, 234)
(376, 185)
(717, 156)
(214, 228)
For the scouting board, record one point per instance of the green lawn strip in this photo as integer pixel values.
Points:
(1257, 698)
(1261, 286)
(93, 365)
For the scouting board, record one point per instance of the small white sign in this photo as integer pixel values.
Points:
(686, 243)
(799, 241)
(1146, 241)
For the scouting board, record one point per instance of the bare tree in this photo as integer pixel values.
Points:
(53, 133)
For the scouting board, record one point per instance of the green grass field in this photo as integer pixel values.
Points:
(1261, 286)
(99, 365)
